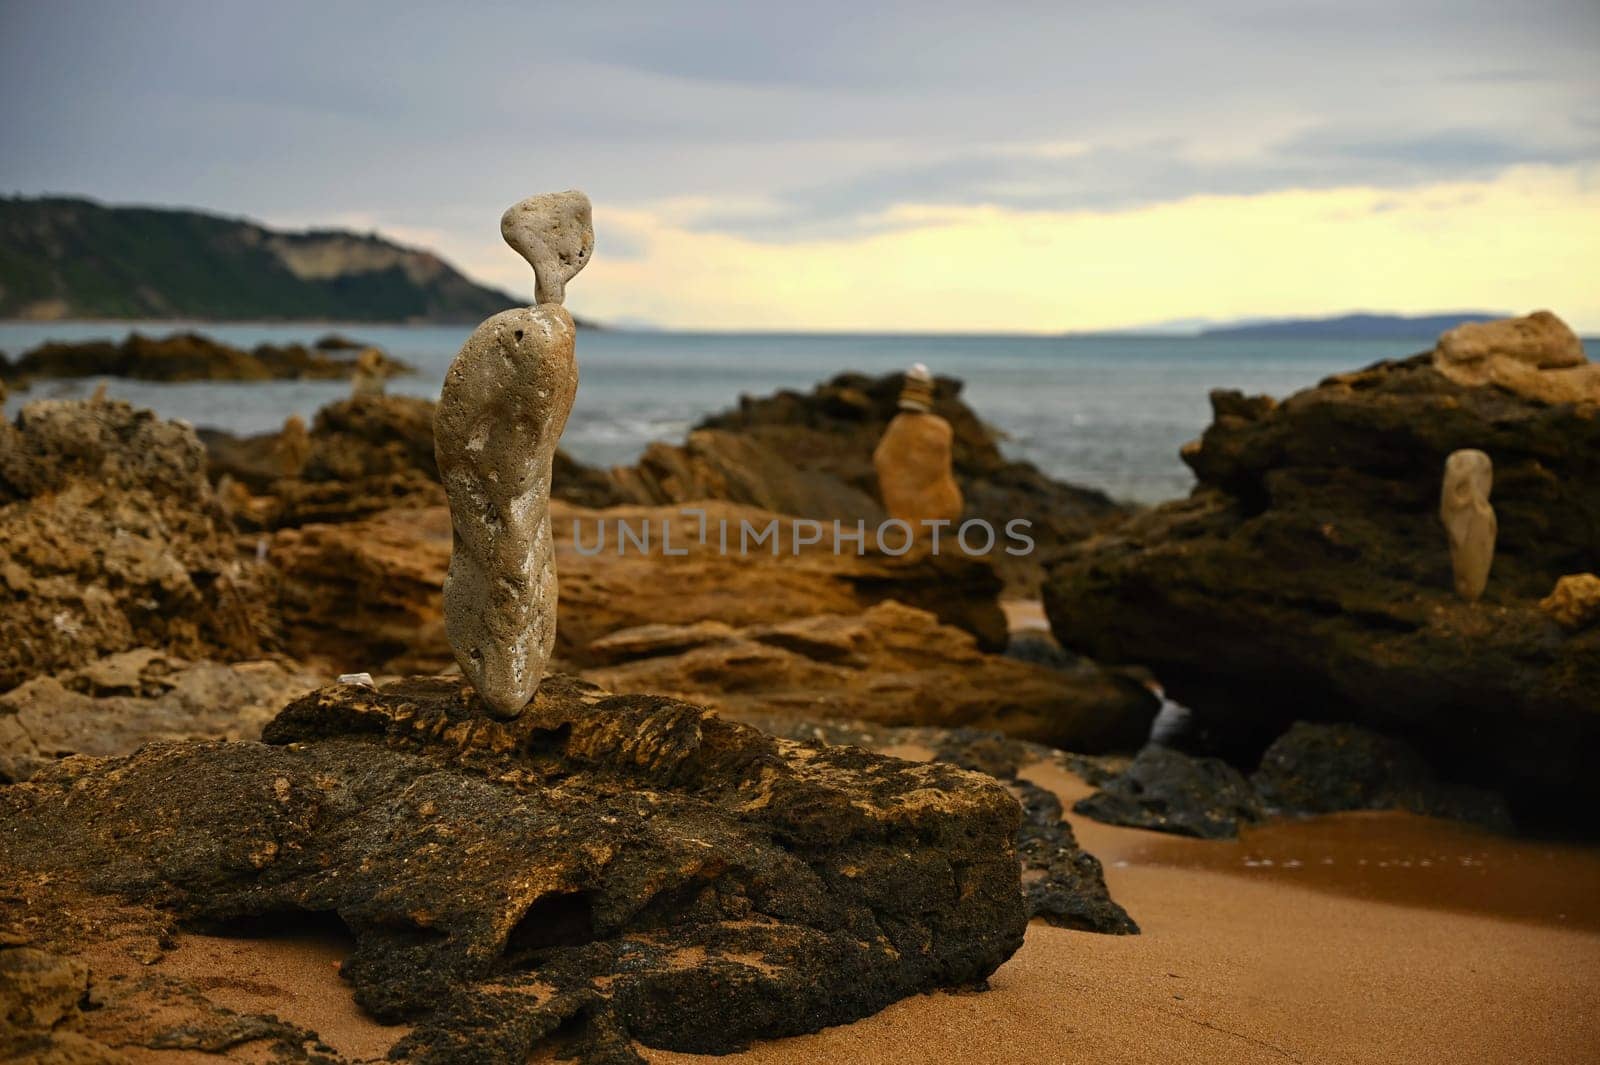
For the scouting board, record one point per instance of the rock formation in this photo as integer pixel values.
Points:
(110, 539)
(116, 704)
(1310, 769)
(890, 664)
(1575, 601)
(190, 357)
(833, 430)
(1319, 769)
(361, 456)
(1469, 519)
(914, 459)
(505, 403)
(1169, 791)
(292, 447)
(1306, 578)
(600, 870)
(1537, 357)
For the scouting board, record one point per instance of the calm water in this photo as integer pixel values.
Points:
(1104, 411)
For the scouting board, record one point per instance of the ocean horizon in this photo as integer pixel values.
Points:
(1106, 411)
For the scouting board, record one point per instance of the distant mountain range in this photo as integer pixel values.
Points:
(1353, 326)
(1341, 327)
(74, 258)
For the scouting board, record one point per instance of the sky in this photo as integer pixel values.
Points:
(1010, 167)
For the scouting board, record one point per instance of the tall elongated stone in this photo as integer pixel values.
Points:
(505, 403)
(1468, 519)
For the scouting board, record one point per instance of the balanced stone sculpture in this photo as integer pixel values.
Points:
(914, 458)
(1469, 519)
(505, 403)
(368, 379)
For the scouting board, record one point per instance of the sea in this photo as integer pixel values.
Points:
(1108, 412)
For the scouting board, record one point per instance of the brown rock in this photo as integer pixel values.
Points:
(1307, 578)
(1541, 340)
(116, 704)
(1537, 357)
(738, 468)
(600, 870)
(890, 665)
(607, 591)
(111, 538)
(1575, 602)
(188, 357)
(834, 429)
(365, 596)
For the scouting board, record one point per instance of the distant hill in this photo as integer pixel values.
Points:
(74, 258)
(1353, 327)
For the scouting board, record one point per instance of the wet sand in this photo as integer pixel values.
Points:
(1354, 938)
(1245, 957)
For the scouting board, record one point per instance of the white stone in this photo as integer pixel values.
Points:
(1469, 520)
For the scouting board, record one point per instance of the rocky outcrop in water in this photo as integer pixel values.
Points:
(1307, 577)
(111, 539)
(188, 357)
(600, 870)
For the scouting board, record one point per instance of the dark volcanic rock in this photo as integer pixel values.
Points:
(1063, 884)
(111, 538)
(603, 868)
(1314, 769)
(186, 357)
(1170, 791)
(1309, 578)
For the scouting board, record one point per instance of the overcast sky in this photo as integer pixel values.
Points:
(862, 165)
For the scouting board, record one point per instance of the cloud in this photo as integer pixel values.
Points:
(1523, 239)
(779, 126)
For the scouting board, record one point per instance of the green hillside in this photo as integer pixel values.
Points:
(73, 258)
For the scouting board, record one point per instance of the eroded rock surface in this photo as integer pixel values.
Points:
(1308, 578)
(365, 595)
(115, 704)
(890, 664)
(361, 456)
(1538, 356)
(599, 870)
(111, 538)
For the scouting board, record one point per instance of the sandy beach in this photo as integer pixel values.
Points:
(1344, 962)
(1349, 938)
